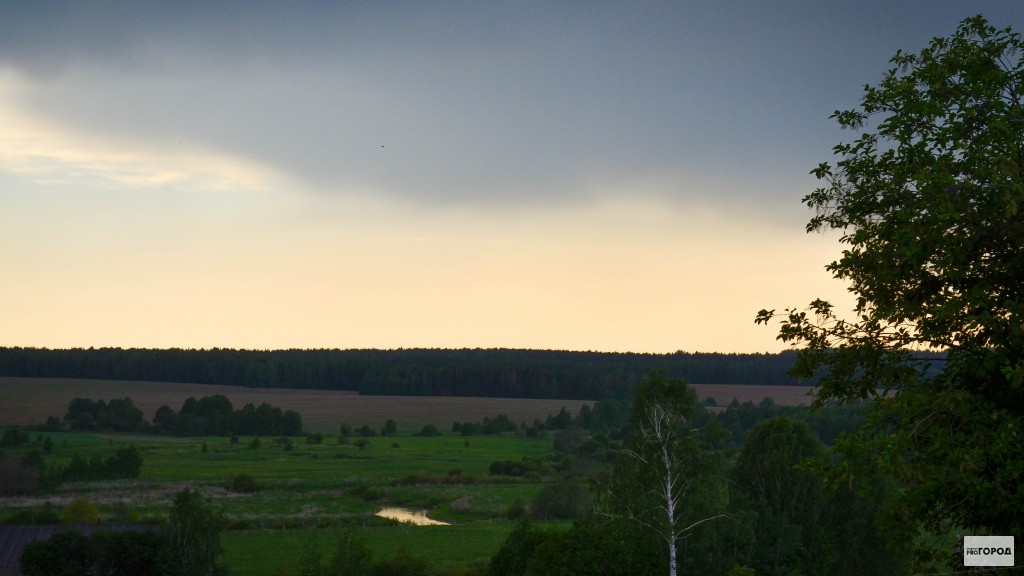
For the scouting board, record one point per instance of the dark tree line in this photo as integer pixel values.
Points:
(30, 473)
(412, 372)
(215, 415)
(117, 415)
(125, 463)
(207, 416)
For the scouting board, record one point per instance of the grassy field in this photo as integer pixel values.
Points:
(312, 490)
(449, 547)
(29, 401)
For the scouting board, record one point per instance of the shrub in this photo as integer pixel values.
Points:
(570, 439)
(566, 499)
(507, 468)
(81, 511)
(428, 430)
(243, 484)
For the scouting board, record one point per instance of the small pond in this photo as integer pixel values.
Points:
(417, 517)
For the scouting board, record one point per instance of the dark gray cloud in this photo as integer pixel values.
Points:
(473, 102)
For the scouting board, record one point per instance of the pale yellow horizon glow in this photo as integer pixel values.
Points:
(613, 277)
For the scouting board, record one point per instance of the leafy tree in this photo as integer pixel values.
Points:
(789, 502)
(290, 423)
(81, 413)
(195, 533)
(122, 416)
(126, 463)
(166, 419)
(514, 555)
(559, 421)
(352, 557)
(662, 479)
(930, 202)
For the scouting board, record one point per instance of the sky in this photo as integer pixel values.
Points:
(554, 175)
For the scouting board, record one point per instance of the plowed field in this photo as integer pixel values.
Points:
(27, 401)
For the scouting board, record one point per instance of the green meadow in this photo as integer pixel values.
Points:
(312, 490)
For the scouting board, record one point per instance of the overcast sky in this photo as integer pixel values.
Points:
(590, 176)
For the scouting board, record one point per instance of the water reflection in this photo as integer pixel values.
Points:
(417, 517)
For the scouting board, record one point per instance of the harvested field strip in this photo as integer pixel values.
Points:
(29, 401)
(782, 395)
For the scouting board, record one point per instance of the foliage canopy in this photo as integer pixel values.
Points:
(930, 202)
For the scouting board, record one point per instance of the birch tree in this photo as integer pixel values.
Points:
(195, 533)
(661, 479)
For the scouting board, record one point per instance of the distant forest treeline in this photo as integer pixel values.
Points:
(407, 372)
